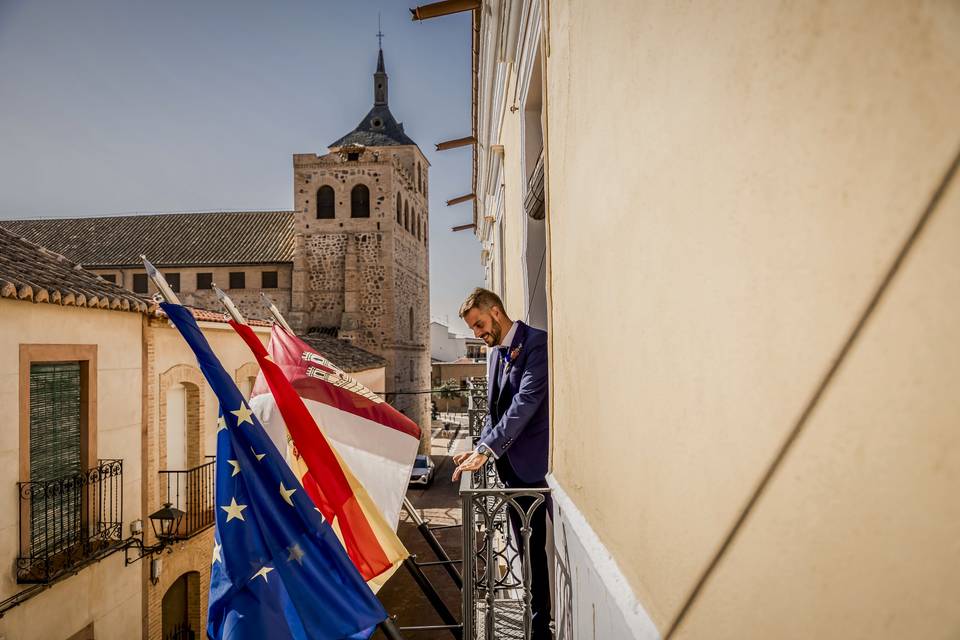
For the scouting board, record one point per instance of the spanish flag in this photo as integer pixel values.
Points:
(301, 399)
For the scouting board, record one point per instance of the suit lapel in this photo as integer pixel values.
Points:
(493, 380)
(518, 338)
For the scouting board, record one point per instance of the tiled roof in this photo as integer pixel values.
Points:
(343, 354)
(377, 129)
(30, 272)
(170, 239)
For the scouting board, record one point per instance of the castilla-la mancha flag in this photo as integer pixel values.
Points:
(352, 451)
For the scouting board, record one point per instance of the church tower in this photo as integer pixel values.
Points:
(361, 263)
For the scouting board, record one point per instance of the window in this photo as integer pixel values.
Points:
(406, 216)
(353, 157)
(268, 280)
(238, 280)
(360, 202)
(204, 281)
(173, 279)
(399, 210)
(109, 277)
(419, 228)
(58, 449)
(419, 178)
(326, 207)
(140, 283)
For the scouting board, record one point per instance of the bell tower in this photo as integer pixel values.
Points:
(361, 263)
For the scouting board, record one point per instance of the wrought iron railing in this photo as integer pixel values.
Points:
(181, 631)
(476, 406)
(68, 522)
(191, 491)
(497, 598)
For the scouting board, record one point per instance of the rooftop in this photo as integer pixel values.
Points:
(345, 355)
(31, 272)
(378, 128)
(168, 239)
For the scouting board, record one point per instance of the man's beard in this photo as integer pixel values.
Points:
(496, 333)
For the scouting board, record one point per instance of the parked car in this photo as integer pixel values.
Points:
(422, 473)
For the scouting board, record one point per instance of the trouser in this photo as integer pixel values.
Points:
(539, 567)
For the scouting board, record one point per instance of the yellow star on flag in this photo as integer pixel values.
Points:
(221, 424)
(259, 456)
(234, 510)
(236, 467)
(264, 570)
(296, 554)
(286, 493)
(243, 414)
(216, 554)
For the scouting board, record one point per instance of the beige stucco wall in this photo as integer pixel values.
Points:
(107, 593)
(740, 177)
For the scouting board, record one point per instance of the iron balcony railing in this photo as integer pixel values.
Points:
(191, 491)
(497, 600)
(70, 521)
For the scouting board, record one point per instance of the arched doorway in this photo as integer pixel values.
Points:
(180, 611)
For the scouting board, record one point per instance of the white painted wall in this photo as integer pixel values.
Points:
(176, 428)
(444, 345)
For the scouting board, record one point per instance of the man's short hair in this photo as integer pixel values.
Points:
(482, 299)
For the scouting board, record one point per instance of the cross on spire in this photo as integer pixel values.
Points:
(379, 31)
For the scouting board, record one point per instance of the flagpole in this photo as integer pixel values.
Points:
(160, 282)
(275, 312)
(229, 306)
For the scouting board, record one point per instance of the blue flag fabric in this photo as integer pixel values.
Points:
(279, 570)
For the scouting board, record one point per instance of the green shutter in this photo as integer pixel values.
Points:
(54, 453)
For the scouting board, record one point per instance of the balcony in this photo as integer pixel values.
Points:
(496, 576)
(69, 522)
(191, 491)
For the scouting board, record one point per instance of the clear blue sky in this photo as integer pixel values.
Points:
(123, 106)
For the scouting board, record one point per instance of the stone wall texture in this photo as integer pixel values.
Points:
(367, 277)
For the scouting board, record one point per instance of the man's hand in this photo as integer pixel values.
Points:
(468, 462)
(460, 457)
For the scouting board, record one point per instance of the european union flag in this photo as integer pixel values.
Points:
(279, 570)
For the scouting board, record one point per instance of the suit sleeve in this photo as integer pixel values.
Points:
(531, 394)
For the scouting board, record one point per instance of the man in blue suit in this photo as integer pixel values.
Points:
(516, 434)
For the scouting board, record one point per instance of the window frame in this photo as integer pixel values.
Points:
(243, 278)
(333, 203)
(357, 211)
(173, 279)
(86, 355)
(263, 279)
(146, 282)
(209, 284)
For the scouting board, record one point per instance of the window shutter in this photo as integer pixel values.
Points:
(54, 452)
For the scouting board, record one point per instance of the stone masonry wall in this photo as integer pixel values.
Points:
(365, 275)
(325, 260)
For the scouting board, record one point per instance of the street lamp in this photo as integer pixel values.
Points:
(166, 522)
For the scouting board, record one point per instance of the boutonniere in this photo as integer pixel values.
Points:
(510, 357)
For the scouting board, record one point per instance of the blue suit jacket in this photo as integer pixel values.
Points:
(518, 423)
